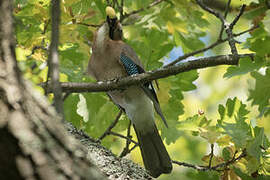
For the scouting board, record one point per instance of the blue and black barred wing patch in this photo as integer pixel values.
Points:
(133, 68)
(130, 66)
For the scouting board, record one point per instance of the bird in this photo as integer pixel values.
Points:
(112, 58)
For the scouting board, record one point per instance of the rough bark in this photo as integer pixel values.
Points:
(34, 143)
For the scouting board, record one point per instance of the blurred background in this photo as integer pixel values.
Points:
(159, 32)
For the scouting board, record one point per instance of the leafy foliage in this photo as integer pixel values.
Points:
(261, 95)
(154, 33)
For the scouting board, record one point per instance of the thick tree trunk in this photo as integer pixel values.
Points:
(34, 143)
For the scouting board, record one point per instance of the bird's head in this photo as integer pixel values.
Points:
(115, 27)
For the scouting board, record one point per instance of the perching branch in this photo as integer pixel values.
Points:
(151, 75)
(53, 57)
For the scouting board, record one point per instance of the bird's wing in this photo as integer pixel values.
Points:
(132, 65)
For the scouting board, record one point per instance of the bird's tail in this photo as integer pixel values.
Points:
(155, 156)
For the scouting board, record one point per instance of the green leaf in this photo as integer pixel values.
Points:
(188, 42)
(70, 109)
(246, 65)
(259, 41)
(82, 109)
(102, 113)
(234, 111)
(72, 62)
(260, 95)
(210, 133)
(81, 7)
(193, 123)
(226, 153)
(232, 121)
(244, 176)
(254, 148)
(101, 6)
(266, 22)
(239, 132)
(173, 107)
(151, 47)
(255, 12)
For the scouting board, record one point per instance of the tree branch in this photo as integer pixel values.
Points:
(126, 150)
(227, 9)
(124, 137)
(154, 3)
(211, 11)
(108, 130)
(150, 75)
(53, 57)
(218, 42)
(213, 168)
(112, 166)
(225, 25)
(89, 25)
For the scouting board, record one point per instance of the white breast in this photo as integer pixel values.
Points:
(101, 36)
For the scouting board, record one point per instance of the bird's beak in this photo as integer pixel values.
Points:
(111, 16)
(111, 20)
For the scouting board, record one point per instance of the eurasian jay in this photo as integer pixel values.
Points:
(111, 59)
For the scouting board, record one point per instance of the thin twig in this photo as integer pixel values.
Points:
(248, 30)
(218, 42)
(89, 25)
(126, 149)
(225, 16)
(34, 50)
(116, 4)
(66, 95)
(124, 137)
(213, 168)
(211, 155)
(121, 10)
(208, 9)
(221, 32)
(156, 2)
(108, 130)
(231, 40)
(228, 27)
(238, 16)
(234, 154)
(227, 9)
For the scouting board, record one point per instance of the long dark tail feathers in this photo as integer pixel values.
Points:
(152, 95)
(155, 156)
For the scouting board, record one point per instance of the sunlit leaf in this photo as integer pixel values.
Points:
(82, 109)
(232, 121)
(260, 95)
